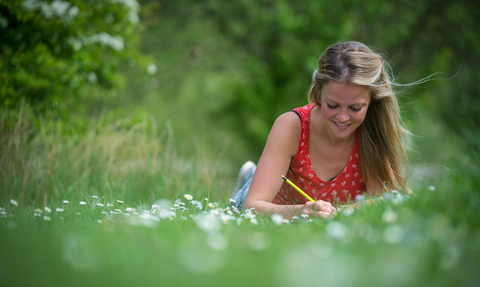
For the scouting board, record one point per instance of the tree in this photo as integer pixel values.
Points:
(285, 38)
(54, 51)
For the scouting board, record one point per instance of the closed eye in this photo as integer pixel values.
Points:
(356, 110)
(332, 107)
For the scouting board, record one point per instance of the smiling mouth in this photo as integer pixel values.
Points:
(340, 125)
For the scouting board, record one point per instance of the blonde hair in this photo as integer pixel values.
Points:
(382, 135)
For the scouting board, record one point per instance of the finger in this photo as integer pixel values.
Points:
(322, 206)
(323, 214)
(308, 209)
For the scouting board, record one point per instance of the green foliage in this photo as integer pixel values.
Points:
(430, 37)
(281, 41)
(54, 51)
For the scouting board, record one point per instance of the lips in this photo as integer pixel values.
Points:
(341, 126)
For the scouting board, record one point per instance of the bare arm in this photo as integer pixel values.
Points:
(281, 146)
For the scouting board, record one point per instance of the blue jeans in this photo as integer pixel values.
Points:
(240, 196)
(243, 185)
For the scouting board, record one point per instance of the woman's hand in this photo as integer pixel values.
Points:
(319, 208)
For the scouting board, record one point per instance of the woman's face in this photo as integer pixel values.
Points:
(344, 107)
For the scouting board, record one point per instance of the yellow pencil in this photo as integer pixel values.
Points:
(298, 189)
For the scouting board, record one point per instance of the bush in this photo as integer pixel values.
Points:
(55, 51)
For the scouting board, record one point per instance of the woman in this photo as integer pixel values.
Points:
(346, 141)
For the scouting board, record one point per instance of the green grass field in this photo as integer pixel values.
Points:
(118, 206)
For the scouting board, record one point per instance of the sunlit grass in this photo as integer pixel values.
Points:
(129, 158)
(398, 241)
(120, 207)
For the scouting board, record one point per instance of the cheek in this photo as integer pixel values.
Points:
(360, 117)
(327, 113)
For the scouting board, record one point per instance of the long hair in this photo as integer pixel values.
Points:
(382, 134)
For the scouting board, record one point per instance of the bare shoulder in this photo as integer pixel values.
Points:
(289, 121)
(285, 133)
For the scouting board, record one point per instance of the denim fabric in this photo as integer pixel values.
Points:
(240, 196)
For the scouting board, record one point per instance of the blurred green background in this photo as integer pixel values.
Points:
(216, 74)
(107, 106)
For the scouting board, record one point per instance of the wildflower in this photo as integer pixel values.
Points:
(214, 211)
(3, 213)
(197, 204)
(206, 199)
(217, 241)
(207, 222)
(104, 213)
(100, 204)
(277, 219)
(188, 196)
(239, 220)
(359, 198)
(94, 196)
(336, 230)
(211, 205)
(165, 214)
(109, 205)
(66, 201)
(232, 201)
(393, 234)
(226, 218)
(305, 216)
(398, 199)
(37, 214)
(38, 210)
(129, 209)
(14, 202)
(146, 216)
(47, 209)
(389, 216)
(47, 218)
(348, 210)
(431, 188)
(59, 209)
(83, 203)
(152, 68)
(254, 221)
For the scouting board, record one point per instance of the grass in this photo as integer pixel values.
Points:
(137, 227)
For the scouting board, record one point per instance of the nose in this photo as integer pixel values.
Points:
(343, 116)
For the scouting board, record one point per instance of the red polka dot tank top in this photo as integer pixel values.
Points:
(346, 186)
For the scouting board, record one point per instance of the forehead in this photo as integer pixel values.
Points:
(346, 93)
